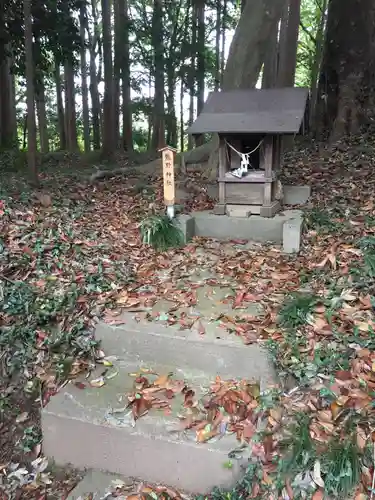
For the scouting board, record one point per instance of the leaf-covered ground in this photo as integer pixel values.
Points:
(73, 252)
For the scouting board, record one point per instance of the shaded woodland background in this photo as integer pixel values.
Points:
(79, 75)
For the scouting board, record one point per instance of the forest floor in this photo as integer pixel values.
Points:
(70, 253)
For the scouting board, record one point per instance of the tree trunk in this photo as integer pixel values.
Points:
(85, 94)
(347, 83)
(40, 99)
(251, 42)
(282, 48)
(171, 110)
(127, 119)
(70, 108)
(8, 127)
(223, 39)
(13, 110)
(270, 63)
(30, 93)
(192, 72)
(315, 70)
(288, 61)
(158, 139)
(182, 127)
(60, 108)
(117, 72)
(94, 92)
(217, 44)
(200, 51)
(109, 135)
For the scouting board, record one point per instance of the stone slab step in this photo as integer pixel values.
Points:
(97, 483)
(80, 428)
(215, 352)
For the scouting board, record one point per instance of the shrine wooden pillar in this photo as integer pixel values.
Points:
(270, 206)
(219, 208)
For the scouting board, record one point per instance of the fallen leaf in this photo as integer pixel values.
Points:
(162, 380)
(80, 385)
(98, 382)
(361, 438)
(22, 417)
(201, 329)
(316, 475)
(44, 199)
(318, 495)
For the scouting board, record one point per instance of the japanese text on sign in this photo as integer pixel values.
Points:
(168, 177)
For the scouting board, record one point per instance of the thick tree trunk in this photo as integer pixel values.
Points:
(30, 93)
(251, 42)
(347, 83)
(85, 94)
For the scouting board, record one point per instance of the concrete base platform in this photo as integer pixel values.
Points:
(80, 427)
(255, 227)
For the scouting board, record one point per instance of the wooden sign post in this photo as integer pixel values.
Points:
(168, 178)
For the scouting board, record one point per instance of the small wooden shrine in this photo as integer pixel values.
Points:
(250, 125)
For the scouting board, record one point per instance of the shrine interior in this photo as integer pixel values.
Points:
(244, 143)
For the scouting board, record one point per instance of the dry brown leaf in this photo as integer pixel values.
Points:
(336, 410)
(324, 416)
(361, 438)
(44, 199)
(318, 495)
(201, 329)
(162, 380)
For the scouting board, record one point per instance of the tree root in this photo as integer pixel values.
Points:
(196, 155)
(106, 174)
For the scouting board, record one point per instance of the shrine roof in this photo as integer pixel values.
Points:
(270, 111)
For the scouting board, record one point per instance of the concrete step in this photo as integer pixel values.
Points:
(79, 427)
(215, 352)
(97, 483)
(89, 428)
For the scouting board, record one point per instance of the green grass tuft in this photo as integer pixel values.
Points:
(161, 233)
(295, 310)
(298, 447)
(341, 468)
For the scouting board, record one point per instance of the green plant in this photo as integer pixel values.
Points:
(322, 221)
(295, 310)
(161, 233)
(30, 438)
(341, 467)
(298, 448)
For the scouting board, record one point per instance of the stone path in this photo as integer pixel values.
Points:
(90, 427)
